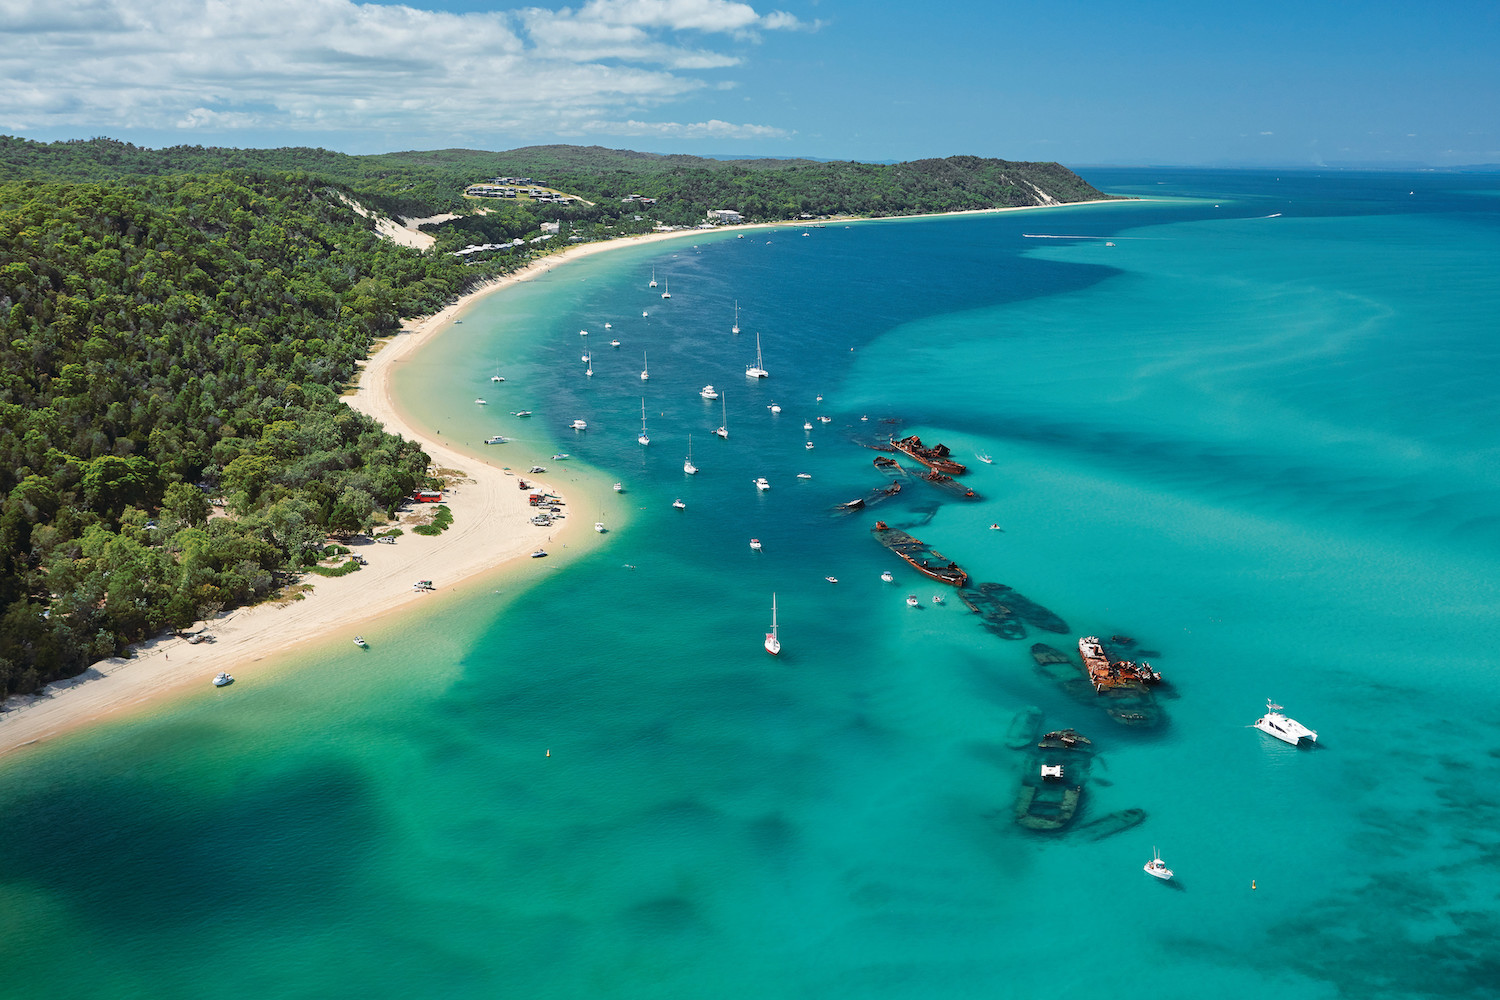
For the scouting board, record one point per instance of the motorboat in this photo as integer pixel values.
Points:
(1157, 868)
(560, 456)
(888, 577)
(774, 407)
(614, 343)
(619, 487)
(537, 470)
(804, 475)
(608, 325)
(773, 637)
(359, 641)
(583, 333)
(938, 599)
(995, 527)
(987, 460)
(495, 439)
(521, 413)
(679, 504)
(808, 445)
(708, 392)
(831, 579)
(825, 420)
(580, 425)
(807, 425)
(479, 402)
(755, 544)
(912, 602)
(644, 314)
(687, 463)
(222, 679)
(1284, 729)
(539, 554)
(761, 484)
(757, 370)
(599, 527)
(644, 438)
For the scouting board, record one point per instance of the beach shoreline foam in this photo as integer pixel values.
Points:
(490, 536)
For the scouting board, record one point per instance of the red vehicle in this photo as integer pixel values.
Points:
(428, 496)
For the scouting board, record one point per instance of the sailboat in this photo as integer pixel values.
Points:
(645, 368)
(667, 292)
(773, 640)
(736, 327)
(757, 370)
(643, 439)
(687, 463)
(723, 430)
(653, 278)
(588, 360)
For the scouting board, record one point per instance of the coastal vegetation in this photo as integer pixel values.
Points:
(176, 326)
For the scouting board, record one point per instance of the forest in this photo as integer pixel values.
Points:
(176, 327)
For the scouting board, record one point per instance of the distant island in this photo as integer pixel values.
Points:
(178, 324)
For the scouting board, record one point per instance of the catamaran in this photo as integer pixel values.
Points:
(643, 439)
(758, 369)
(653, 278)
(667, 292)
(1273, 723)
(687, 463)
(773, 640)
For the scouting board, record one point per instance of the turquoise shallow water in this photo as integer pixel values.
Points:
(1263, 445)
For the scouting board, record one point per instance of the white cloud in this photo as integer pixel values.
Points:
(337, 65)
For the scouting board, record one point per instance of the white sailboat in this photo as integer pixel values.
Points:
(736, 327)
(653, 278)
(687, 463)
(643, 439)
(667, 292)
(645, 368)
(723, 430)
(758, 369)
(773, 639)
(588, 361)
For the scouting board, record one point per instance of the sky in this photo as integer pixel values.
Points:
(1281, 83)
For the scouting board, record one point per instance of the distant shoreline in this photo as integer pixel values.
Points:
(491, 535)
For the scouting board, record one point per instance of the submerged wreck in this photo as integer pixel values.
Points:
(1052, 781)
(920, 556)
(1127, 704)
(936, 457)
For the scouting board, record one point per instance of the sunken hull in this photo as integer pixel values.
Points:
(1049, 803)
(1132, 705)
(937, 457)
(922, 558)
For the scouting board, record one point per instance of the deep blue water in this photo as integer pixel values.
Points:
(1257, 433)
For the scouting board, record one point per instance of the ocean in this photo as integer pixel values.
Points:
(1248, 423)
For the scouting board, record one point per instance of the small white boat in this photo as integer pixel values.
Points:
(559, 457)
(761, 484)
(774, 407)
(1156, 867)
(580, 425)
(807, 425)
(755, 544)
(619, 487)
(825, 420)
(864, 418)
(995, 527)
(679, 504)
(888, 577)
(736, 327)
(521, 413)
(495, 439)
(757, 370)
(583, 333)
(687, 463)
(820, 399)
(831, 579)
(987, 460)
(911, 601)
(807, 445)
(804, 475)
(539, 554)
(937, 599)
(479, 402)
(773, 637)
(645, 367)
(608, 325)
(667, 292)
(653, 278)
(1284, 729)
(599, 527)
(644, 314)
(614, 343)
(643, 439)
(708, 392)
(222, 680)
(359, 641)
(723, 430)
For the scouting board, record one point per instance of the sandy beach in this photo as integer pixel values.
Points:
(491, 534)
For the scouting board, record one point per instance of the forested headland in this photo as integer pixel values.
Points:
(176, 326)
